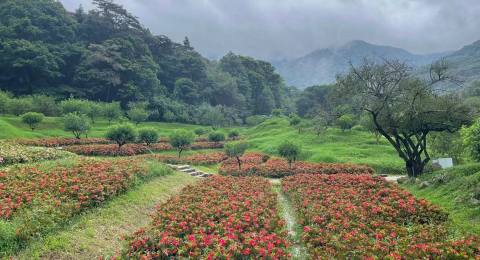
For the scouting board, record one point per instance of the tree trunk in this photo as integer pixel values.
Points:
(239, 163)
(180, 153)
(414, 168)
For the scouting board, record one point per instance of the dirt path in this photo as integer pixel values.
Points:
(98, 232)
(298, 249)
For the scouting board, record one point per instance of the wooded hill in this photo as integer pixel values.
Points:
(107, 55)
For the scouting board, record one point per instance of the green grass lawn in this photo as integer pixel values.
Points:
(453, 190)
(334, 145)
(98, 232)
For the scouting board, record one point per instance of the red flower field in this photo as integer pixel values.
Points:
(361, 216)
(257, 164)
(59, 192)
(219, 218)
(131, 149)
(195, 159)
(61, 141)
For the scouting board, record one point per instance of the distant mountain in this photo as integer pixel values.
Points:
(321, 66)
(465, 63)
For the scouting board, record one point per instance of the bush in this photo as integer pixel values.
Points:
(289, 151)
(72, 105)
(121, 134)
(345, 122)
(148, 135)
(234, 134)
(32, 119)
(277, 112)
(200, 131)
(112, 111)
(295, 120)
(181, 140)
(471, 140)
(216, 137)
(18, 106)
(236, 150)
(137, 115)
(45, 105)
(4, 100)
(76, 123)
(95, 111)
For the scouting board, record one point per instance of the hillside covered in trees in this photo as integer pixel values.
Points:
(106, 54)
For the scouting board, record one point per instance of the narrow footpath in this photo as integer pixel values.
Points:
(298, 249)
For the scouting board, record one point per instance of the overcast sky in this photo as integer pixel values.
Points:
(273, 29)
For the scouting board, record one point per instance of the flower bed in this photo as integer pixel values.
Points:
(36, 199)
(195, 159)
(131, 149)
(256, 164)
(13, 153)
(221, 217)
(61, 141)
(361, 216)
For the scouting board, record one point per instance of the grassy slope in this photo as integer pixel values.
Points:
(99, 231)
(12, 127)
(332, 146)
(454, 195)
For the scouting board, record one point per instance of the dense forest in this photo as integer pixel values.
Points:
(107, 55)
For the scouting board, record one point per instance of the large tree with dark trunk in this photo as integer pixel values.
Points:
(404, 108)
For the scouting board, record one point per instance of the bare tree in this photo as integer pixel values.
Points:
(403, 108)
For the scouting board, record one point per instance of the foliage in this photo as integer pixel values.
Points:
(471, 140)
(73, 105)
(60, 141)
(121, 134)
(294, 120)
(236, 150)
(446, 144)
(32, 119)
(200, 131)
(345, 122)
(216, 137)
(255, 120)
(195, 159)
(257, 164)
(148, 135)
(364, 216)
(18, 106)
(319, 124)
(233, 134)
(290, 151)
(403, 108)
(76, 123)
(234, 218)
(112, 111)
(137, 115)
(181, 140)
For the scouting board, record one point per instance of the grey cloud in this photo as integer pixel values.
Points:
(289, 28)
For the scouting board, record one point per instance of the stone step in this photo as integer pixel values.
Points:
(183, 167)
(189, 170)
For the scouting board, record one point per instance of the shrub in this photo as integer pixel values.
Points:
(14, 153)
(277, 112)
(32, 119)
(137, 115)
(73, 105)
(236, 150)
(345, 122)
(290, 151)
(45, 105)
(216, 137)
(76, 123)
(112, 111)
(95, 111)
(200, 131)
(181, 140)
(18, 106)
(234, 134)
(320, 124)
(148, 135)
(4, 100)
(294, 120)
(121, 134)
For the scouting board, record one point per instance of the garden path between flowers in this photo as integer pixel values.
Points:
(98, 232)
(297, 248)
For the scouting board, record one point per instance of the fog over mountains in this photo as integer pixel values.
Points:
(321, 66)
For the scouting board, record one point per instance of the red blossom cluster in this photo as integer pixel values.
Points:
(362, 216)
(195, 159)
(89, 182)
(257, 164)
(219, 218)
(131, 149)
(61, 141)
